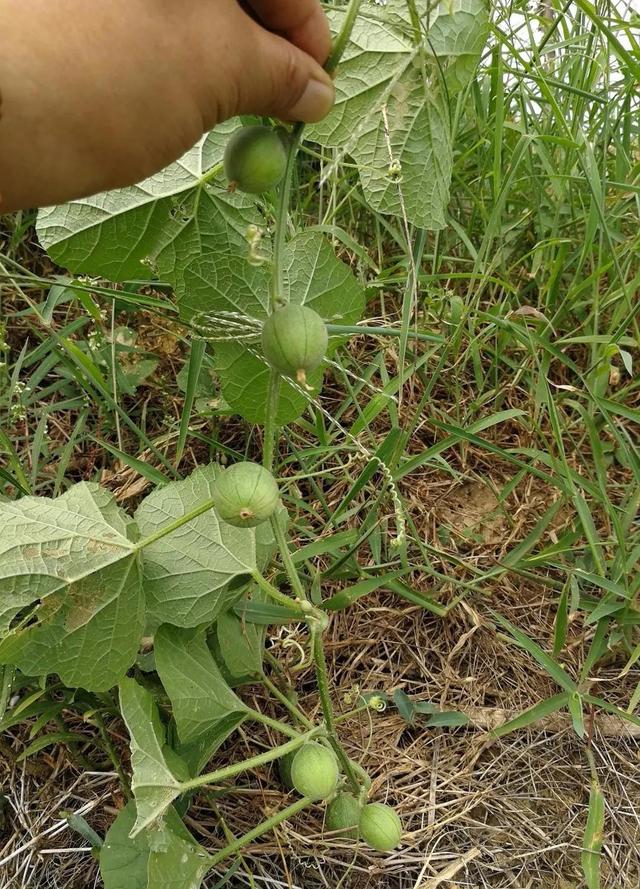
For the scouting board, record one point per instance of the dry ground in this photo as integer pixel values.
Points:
(478, 812)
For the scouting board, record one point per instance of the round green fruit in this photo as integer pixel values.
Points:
(294, 341)
(284, 769)
(245, 495)
(314, 771)
(380, 827)
(343, 815)
(255, 159)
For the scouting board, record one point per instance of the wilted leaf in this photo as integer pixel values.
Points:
(153, 783)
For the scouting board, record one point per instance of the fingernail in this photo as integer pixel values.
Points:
(315, 102)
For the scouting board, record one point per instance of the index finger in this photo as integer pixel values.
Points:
(303, 22)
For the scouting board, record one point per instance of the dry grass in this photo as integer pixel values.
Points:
(478, 812)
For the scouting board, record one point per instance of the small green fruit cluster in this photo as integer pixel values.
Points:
(255, 159)
(377, 824)
(313, 772)
(245, 495)
(294, 341)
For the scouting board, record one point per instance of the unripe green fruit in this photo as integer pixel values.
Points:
(245, 495)
(380, 827)
(343, 814)
(284, 769)
(314, 771)
(255, 159)
(294, 341)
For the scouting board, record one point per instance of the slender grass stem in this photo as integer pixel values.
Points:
(8, 673)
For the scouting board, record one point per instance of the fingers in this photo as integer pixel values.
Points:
(280, 80)
(301, 21)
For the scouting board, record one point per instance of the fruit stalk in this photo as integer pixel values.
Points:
(258, 831)
(254, 762)
(287, 561)
(275, 594)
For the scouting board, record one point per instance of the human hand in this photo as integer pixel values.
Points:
(101, 95)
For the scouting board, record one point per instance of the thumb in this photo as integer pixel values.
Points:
(282, 81)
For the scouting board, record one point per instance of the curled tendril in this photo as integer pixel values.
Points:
(290, 642)
(377, 703)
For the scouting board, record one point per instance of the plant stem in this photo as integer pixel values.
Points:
(287, 561)
(211, 174)
(282, 216)
(345, 717)
(280, 238)
(327, 710)
(266, 826)
(296, 712)
(255, 761)
(270, 428)
(343, 37)
(275, 724)
(173, 526)
(275, 594)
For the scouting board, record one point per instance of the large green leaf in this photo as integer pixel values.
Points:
(419, 141)
(222, 282)
(165, 856)
(153, 783)
(70, 587)
(312, 275)
(396, 84)
(211, 221)
(200, 698)
(189, 574)
(118, 234)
